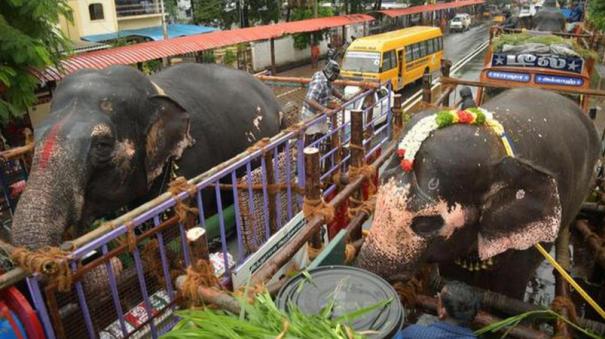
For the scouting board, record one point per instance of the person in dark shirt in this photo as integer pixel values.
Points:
(466, 98)
(457, 307)
(576, 12)
(510, 22)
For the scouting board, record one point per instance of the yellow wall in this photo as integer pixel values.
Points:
(140, 21)
(38, 113)
(108, 24)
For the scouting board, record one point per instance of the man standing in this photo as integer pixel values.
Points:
(316, 101)
(332, 53)
(466, 98)
(457, 307)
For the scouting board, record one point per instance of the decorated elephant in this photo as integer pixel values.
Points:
(112, 134)
(549, 18)
(474, 190)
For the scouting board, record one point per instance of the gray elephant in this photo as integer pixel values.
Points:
(112, 133)
(549, 18)
(475, 198)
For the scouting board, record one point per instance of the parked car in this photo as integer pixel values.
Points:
(380, 111)
(527, 10)
(460, 23)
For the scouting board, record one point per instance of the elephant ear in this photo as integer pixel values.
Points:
(167, 135)
(522, 209)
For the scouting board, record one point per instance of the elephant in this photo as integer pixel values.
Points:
(112, 136)
(549, 18)
(474, 209)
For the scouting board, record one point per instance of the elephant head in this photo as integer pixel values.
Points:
(549, 18)
(462, 195)
(108, 136)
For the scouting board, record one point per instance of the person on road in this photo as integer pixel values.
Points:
(457, 306)
(316, 101)
(576, 12)
(510, 22)
(314, 54)
(466, 98)
(332, 53)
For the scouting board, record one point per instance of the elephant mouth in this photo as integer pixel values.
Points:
(473, 263)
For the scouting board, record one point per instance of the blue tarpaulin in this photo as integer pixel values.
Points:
(152, 33)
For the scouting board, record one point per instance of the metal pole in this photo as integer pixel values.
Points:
(164, 30)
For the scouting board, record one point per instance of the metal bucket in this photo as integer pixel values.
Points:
(352, 288)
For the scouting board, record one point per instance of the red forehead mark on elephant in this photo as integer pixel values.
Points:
(49, 143)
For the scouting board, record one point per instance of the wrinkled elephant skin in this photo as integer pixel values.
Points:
(465, 198)
(112, 133)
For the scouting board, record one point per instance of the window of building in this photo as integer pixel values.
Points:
(96, 12)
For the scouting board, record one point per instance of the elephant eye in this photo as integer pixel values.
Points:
(427, 225)
(102, 149)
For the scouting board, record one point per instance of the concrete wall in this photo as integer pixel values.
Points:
(287, 54)
(108, 24)
(140, 21)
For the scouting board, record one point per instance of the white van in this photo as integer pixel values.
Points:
(461, 22)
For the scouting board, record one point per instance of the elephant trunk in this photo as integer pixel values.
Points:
(391, 249)
(51, 201)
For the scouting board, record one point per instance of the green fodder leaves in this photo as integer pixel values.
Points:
(264, 320)
(508, 323)
(524, 38)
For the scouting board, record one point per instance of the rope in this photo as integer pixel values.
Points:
(199, 274)
(561, 303)
(313, 252)
(570, 280)
(312, 207)
(182, 209)
(410, 289)
(260, 145)
(350, 253)
(51, 261)
(366, 206)
(368, 172)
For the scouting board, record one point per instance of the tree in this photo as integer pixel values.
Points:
(28, 38)
(303, 40)
(596, 13)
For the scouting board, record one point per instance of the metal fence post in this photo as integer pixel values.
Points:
(357, 159)
(312, 184)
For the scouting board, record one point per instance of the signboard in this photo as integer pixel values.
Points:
(510, 76)
(559, 63)
(558, 80)
(269, 250)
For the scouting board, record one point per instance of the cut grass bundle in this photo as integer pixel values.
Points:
(263, 319)
(509, 323)
(524, 38)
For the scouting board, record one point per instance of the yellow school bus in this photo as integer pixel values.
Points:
(401, 56)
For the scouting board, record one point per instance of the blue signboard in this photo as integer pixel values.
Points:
(558, 80)
(510, 76)
(560, 63)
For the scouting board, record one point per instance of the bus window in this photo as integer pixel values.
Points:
(422, 48)
(430, 48)
(389, 61)
(361, 62)
(440, 41)
(408, 54)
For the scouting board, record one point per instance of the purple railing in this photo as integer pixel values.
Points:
(134, 295)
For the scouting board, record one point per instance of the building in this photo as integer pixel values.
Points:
(107, 20)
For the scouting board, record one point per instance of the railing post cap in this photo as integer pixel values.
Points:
(311, 150)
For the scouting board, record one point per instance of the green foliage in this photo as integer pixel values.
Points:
(205, 12)
(596, 13)
(303, 40)
(171, 8)
(28, 38)
(523, 38)
(230, 57)
(263, 319)
(509, 323)
(208, 57)
(151, 66)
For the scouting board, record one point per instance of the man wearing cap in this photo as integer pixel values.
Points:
(466, 98)
(316, 101)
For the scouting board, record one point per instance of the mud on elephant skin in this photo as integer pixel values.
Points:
(465, 197)
(112, 132)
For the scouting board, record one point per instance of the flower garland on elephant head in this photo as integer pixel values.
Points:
(409, 146)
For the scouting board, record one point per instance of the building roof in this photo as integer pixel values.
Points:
(425, 8)
(152, 50)
(153, 33)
